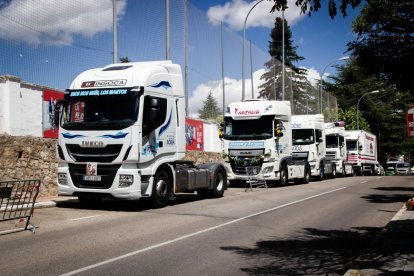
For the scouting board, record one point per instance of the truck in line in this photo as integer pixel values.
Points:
(122, 135)
(308, 134)
(336, 148)
(259, 133)
(362, 151)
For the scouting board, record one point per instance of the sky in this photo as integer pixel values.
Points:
(49, 44)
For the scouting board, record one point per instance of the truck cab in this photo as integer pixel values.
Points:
(258, 133)
(309, 143)
(122, 135)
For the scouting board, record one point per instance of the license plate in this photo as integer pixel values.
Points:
(92, 178)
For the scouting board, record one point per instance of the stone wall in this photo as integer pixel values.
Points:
(27, 157)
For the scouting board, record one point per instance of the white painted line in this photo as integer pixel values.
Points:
(75, 219)
(379, 177)
(83, 269)
(364, 181)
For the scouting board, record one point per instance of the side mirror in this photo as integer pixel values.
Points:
(56, 117)
(360, 147)
(320, 140)
(220, 131)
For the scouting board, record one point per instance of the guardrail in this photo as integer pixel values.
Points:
(17, 200)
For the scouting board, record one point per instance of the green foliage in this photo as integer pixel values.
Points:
(210, 110)
(124, 60)
(272, 86)
(384, 46)
(350, 118)
(309, 6)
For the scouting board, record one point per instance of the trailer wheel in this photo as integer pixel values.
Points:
(161, 190)
(321, 172)
(283, 175)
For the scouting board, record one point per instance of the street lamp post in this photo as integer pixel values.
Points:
(323, 72)
(244, 39)
(372, 92)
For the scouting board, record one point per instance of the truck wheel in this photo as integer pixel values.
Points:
(220, 182)
(283, 175)
(161, 190)
(333, 175)
(321, 172)
(343, 171)
(307, 176)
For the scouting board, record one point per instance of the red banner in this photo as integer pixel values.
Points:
(410, 122)
(49, 102)
(194, 135)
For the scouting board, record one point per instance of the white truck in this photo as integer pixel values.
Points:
(336, 148)
(308, 134)
(258, 133)
(362, 151)
(122, 135)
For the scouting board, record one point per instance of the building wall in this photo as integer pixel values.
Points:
(21, 107)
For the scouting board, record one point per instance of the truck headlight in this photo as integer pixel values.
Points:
(267, 170)
(62, 179)
(125, 180)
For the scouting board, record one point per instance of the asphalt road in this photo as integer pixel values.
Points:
(313, 229)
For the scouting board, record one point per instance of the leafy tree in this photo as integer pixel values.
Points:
(385, 43)
(349, 117)
(124, 60)
(309, 6)
(210, 109)
(272, 86)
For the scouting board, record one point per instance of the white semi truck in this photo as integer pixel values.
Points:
(122, 135)
(336, 148)
(362, 151)
(258, 133)
(308, 134)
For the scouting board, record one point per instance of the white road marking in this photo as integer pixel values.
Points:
(83, 269)
(75, 219)
(364, 181)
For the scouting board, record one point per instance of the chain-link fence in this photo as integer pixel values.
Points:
(49, 44)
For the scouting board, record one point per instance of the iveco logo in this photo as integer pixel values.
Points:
(93, 144)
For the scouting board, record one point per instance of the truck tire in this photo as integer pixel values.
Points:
(283, 180)
(161, 190)
(306, 177)
(333, 175)
(343, 171)
(219, 185)
(321, 175)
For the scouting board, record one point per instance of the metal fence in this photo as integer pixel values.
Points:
(17, 200)
(50, 44)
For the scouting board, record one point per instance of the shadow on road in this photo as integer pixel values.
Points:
(310, 252)
(122, 205)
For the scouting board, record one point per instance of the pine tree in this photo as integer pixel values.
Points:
(210, 109)
(298, 90)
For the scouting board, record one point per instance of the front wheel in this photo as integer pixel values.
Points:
(161, 190)
(283, 175)
(321, 172)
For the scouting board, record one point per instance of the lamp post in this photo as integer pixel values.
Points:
(244, 39)
(372, 92)
(323, 72)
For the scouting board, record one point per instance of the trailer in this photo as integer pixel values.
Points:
(362, 151)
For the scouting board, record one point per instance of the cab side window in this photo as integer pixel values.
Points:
(160, 108)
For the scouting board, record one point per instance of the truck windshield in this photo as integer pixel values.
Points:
(351, 144)
(100, 114)
(256, 129)
(332, 141)
(303, 136)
